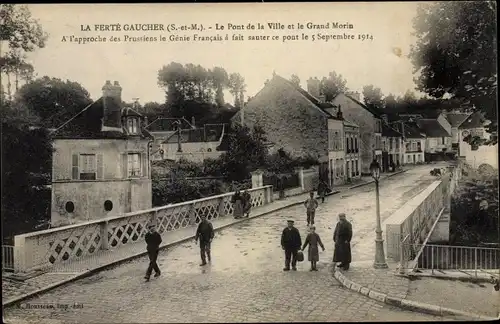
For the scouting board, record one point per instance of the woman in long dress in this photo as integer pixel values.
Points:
(313, 240)
(237, 201)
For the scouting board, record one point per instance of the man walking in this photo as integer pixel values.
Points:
(291, 243)
(153, 241)
(342, 238)
(322, 189)
(205, 233)
(311, 204)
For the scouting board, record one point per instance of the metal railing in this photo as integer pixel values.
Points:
(448, 257)
(7, 258)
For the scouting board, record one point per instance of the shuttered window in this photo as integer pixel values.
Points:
(87, 167)
(134, 165)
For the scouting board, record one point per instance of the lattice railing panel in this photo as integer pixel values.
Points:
(127, 230)
(76, 245)
(228, 206)
(257, 198)
(174, 218)
(209, 208)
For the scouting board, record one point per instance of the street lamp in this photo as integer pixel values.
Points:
(379, 241)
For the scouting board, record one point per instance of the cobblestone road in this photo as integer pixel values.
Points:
(244, 283)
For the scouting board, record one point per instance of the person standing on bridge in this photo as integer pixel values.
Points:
(205, 233)
(342, 238)
(311, 204)
(153, 241)
(237, 201)
(291, 243)
(247, 203)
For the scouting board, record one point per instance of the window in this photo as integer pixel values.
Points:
(347, 144)
(341, 164)
(336, 141)
(443, 140)
(413, 146)
(408, 146)
(134, 165)
(419, 147)
(353, 170)
(357, 170)
(390, 144)
(356, 144)
(397, 144)
(132, 125)
(88, 167)
(337, 169)
(352, 144)
(419, 157)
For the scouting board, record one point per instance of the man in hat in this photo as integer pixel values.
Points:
(342, 238)
(153, 241)
(291, 243)
(205, 233)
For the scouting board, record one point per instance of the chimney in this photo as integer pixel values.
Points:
(339, 114)
(112, 106)
(313, 87)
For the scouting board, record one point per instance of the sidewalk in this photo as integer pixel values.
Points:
(15, 291)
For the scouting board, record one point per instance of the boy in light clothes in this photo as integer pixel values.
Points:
(311, 204)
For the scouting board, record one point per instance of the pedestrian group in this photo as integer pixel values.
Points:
(291, 241)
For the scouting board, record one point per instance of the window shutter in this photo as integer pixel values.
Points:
(145, 165)
(74, 167)
(125, 165)
(100, 166)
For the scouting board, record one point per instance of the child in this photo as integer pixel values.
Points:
(311, 204)
(313, 240)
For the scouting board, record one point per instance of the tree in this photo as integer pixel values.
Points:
(456, 53)
(373, 97)
(221, 81)
(246, 151)
(294, 79)
(237, 88)
(53, 100)
(332, 85)
(22, 34)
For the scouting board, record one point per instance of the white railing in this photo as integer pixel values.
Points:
(7, 257)
(448, 257)
(47, 248)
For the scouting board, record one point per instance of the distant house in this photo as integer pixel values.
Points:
(101, 165)
(352, 151)
(194, 144)
(392, 147)
(438, 135)
(413, 150)
(299, 123)
(369, 122)
(455, 119)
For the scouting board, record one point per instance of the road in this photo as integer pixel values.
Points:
(245, 282)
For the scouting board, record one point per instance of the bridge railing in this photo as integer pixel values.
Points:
(448, 257)
(7, 257)
(49, 248)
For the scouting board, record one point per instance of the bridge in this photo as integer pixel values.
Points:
(247, 258)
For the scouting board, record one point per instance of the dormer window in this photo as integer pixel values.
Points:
(132, 125)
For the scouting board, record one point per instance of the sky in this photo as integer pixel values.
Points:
(135, 64)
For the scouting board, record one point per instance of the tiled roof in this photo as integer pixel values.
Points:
(87, 124)
(474, 120)
(349, 123)
(210, 133)
(432, 128)
(389, 131)
(455, 119)
(167, 124)
(412, 131)
(374, 111)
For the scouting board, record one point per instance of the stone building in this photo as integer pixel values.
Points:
(101, 164)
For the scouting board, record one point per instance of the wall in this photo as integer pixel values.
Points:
(88, 196)
(485, 154)
(290, 120)
(366, 121)
(311, 178)
(412, 157)
(435, 144)
(455, 135)
(336, 153)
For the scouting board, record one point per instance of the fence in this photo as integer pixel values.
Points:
(7, 258)
(71, 243)
(448, 257)
(287, 181)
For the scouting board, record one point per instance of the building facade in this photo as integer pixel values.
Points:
(455, 119)
(352, 151)
(392, 148)
(100, 163)
(336, 153)
(370, 127)
(438, 135)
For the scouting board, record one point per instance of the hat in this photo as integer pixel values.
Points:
(342, 215)
(290, 221)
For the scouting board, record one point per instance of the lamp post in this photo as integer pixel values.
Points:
(379, 241)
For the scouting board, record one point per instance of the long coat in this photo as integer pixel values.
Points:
(342, 238)
(238, 205)
(313, 240)
(290, 239)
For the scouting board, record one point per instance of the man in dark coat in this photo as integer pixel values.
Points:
(291, 243)
(322, 188)
(153, 241)
(204, 232)
(342, 238)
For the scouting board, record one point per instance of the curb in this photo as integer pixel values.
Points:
(470, 279)
(406, 303)
(166, 246)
